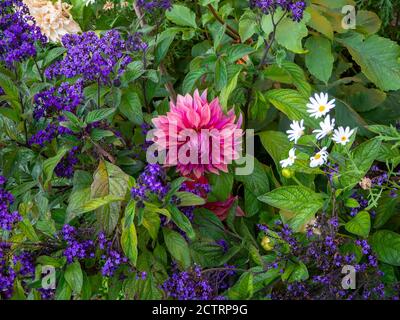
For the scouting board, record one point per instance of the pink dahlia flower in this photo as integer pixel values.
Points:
(197, 136)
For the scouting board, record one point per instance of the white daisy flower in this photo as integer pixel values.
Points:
(297, 130)
(289, 161)
(342, 135)
(319, 158)
(320, 105)
(327, 127)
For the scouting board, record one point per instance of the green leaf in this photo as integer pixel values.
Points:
(255, 184)
(221, 186)
(360, 225)
(319, 59)
(181, 221)
(277, 145)
(151, 221)
(190, 80)
(226, 92)
(378, 58)
(189, 199)
(52, 55)
(8, 87)
(368, 22)
(221, 75)
(182, 16)
(298, 78)
(292, 104)
(247, 25)
(243, 288)
(26, 227)
(109, 180)
(299, 273)
(80, 193)
(289, 34)
(63, 291)
(357, 167)
(129, 243)
(50, 164)
(74, 277)
(300, 201)
(177, 246)
(386, 209)
(238, 51)
(99, 114)
(131, 107)
(320, 23)
(97, 203)
(97, 134)
(386, 245)
(164, 42)
(46, 260)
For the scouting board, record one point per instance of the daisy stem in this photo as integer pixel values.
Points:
(297, 181)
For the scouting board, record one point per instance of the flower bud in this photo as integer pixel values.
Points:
(287, 173)
(267, 244)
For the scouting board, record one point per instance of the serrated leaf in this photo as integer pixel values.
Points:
(99, 114)
(191, 78)
(356, 168)
(301, 201)
(378, 58)
(182, 16)
(386, 245)
(292, 104)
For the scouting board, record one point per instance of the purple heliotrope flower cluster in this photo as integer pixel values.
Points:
(65, 168)
(51, 131)
(76, 248)
(151, 182)
(294, 8)
(136, 43)
(91, 58)
(152, 5)
(18, 32)
(113, 259)
(197, 284)
(7, 273)
(13, 266)
(52, 102)
(7, 218)
(324, 255)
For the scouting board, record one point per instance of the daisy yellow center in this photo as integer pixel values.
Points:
(322, 108)
(317, 156)
(344, 138)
